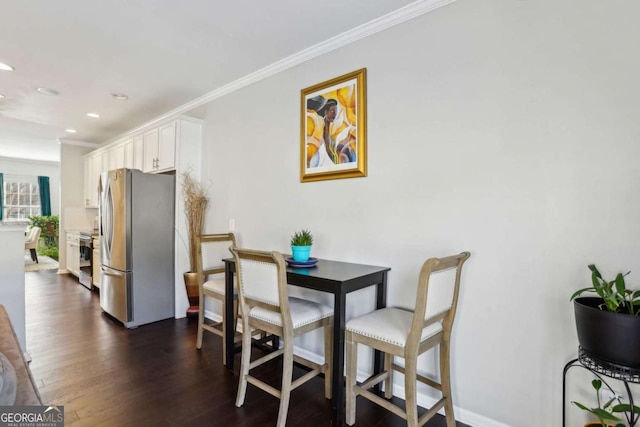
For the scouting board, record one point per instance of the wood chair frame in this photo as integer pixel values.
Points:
(410, 353)
(286, 331)
(203, 272)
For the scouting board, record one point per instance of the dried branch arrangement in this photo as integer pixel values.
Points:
(195, 206)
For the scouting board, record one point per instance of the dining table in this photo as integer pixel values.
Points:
(335, 277)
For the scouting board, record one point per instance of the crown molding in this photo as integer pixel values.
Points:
(24, 160)
(398, 16)
(66, 141)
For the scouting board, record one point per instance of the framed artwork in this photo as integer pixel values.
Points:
(333, 135)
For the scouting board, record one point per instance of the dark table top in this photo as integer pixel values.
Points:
(334, 271)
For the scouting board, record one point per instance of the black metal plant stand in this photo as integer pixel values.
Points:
(599, 368)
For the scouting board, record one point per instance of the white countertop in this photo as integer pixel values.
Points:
(14, 225)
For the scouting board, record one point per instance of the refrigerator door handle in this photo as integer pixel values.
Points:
(108, 219)
(110, 273)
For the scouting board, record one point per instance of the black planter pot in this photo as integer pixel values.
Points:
(606, 336)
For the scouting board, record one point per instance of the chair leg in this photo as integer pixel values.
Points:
(34, 255)
(328, 352)
(245, 362)
(287, 376)
(352, 369)
(235, 315)
(200, 322)
(410, 385)
(224, 333)
(445, 381)
(388, 382)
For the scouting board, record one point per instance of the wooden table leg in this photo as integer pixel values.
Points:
(337, 367)
(228, 316)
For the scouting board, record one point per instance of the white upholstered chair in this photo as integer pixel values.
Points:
(212, 248)
(31, 242)
(266, 305)
(407, 334)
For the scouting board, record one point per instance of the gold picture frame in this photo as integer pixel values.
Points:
(333, 133)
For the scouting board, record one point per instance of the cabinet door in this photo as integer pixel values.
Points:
(107, 159)
(117, 156)
(96, 268)
(150, 150)
(138, 151)
(92, 170)
(75, 260)
(128, 154)
(88, 175)
(167, 147)
(73, 254)
(69, 257)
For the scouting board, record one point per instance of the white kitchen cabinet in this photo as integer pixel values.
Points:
(133, 153)
(138, 152)
(128, 154)
(150, 141)
(73, 253)
(116, 157)
(167, 147)
(159, 149)
(88, 173)
(93, 167)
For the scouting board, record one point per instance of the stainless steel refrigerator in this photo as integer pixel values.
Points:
(137, 212)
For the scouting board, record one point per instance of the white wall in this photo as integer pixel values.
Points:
(506, 128)
(33, 168)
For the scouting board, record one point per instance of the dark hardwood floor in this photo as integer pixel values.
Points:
(106, 375)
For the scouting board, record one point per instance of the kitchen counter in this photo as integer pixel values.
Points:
(12, 292)
(13, 225)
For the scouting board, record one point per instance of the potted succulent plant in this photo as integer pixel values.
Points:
(608, 325)
(301, 243)
(605, 413)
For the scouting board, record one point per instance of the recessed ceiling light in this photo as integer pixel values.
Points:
(6, 67)
(94, 115)
(120, 96)
(1, 96)
(70, 130)
(47, 91)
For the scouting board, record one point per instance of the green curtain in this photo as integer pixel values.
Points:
(45, 196)
(1, 196)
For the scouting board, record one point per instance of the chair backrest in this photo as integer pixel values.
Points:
(34, 234)
(437, 298)
(262, 281)
(212, 249)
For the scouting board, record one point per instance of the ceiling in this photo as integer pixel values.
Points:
(162, 54)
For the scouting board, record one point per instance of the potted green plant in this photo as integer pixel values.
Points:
(301, 243)
(605, 413)
(608, 325)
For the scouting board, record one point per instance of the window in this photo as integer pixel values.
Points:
(21, 197)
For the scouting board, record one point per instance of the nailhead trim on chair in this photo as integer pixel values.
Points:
(294, 304)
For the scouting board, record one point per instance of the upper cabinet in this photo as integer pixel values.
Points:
(93, 167)
(155, 150)
(159, 150)
(133, 153)
(128, 154)
(116, 156)
(150, 150)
